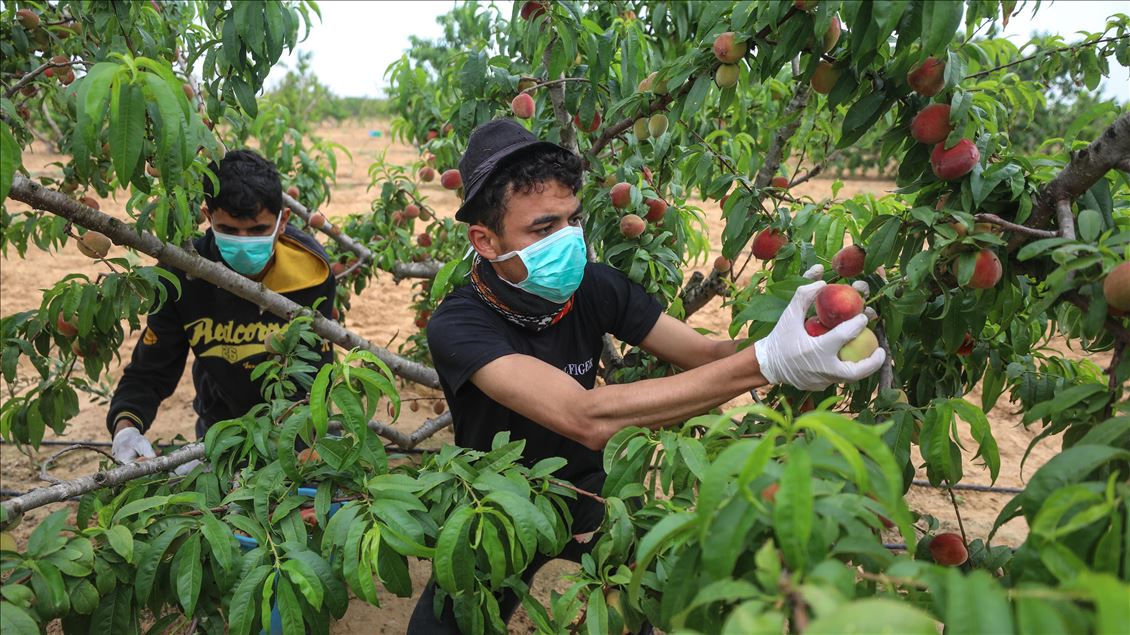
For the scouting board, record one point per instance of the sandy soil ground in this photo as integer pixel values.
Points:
(381, 315)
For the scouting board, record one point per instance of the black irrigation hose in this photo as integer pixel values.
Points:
(970, 487)
(106, 444)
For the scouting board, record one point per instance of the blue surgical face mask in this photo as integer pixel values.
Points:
(247, 255)
(555, 265)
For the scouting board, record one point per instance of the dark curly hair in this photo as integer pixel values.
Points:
(247, 182)
(524, 172)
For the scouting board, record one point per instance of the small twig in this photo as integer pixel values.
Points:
(956, 511)
(44, 475)
(31, 75)
(345, 273)
(561, 80)
(1045, 53)
(1112, 373)
(1013, 227)
(582, 492)
(886, 371)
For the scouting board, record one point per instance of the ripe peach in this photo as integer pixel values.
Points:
(824, 78)
(398, 218)
(727, 49)
(90, 202)
(848, 262)
(439, 406)
(67, 77)
(424, 240)
(335, 230)
(451, 179)
(189, 91)
(533, 8)
(93, 245)
(966, 347)
(928, 78)
(631, 226)
(987, 271)
(1116, 287)
(780, 182)
(592, 125)
(837, 303)
(411, 210)
(422, 323)
(722, 264)
(28, 19)
(426, 174)
(931, 124)
(432, 134)
(656, 209)
(657, 125)
(337, 268)
(726, 75)
(293, 192)
(621, 195)
(526, 83)
(953, 163)
(813, 327)
(860, 347)
(82, 350)
(647, 175)
(317, 220)
(806, 5)
(767, 243)
(523, 106)
(832, 35)
(308, 455)
(769, 494)
(948, 550)
(66, 328)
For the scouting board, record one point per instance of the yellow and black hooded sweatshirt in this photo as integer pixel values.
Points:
(225, 332)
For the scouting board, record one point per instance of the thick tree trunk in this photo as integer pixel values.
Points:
(120, 233)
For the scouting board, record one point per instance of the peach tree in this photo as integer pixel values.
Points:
(770, 517)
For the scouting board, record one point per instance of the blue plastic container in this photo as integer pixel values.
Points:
(247, 543)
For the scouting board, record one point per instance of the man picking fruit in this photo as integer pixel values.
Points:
(249, 234)
(517, 349)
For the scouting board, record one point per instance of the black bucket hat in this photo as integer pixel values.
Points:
(487, 148)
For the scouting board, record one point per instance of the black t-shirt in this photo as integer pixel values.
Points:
(465, 334)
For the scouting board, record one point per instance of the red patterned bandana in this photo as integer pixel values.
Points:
(517, 306)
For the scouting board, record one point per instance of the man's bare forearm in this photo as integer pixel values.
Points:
(656, 403)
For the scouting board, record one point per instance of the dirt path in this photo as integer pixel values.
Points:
(381, 315)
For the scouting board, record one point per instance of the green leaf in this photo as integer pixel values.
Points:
(975, 604)
(48, 536)
(874, 615)
(151, 560)
(453, 574)
(190, 574)
(319, 415)
(127, 128)
(10, 160)
(17, 620)
(1090, 223)
(241, 610)
(220, 539)
(655, 539)
(245, 94)
(289, 609)
(121, 541)
(793, 513)
(940, 20)
(596, 619)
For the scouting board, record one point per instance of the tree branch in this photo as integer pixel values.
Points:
(618, 128)
(342, 238)
(120, 233)
(45, 474)
(31, 75)
(1085, 168)
(15, 507)
(1044, 53)
(1013, 227)
(557, 98)
(1119, 332)
(701, 289)
(426, 269)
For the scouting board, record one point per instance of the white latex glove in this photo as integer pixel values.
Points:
(130, 445)
(185, 468)
(789, 355)
(814, 273)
